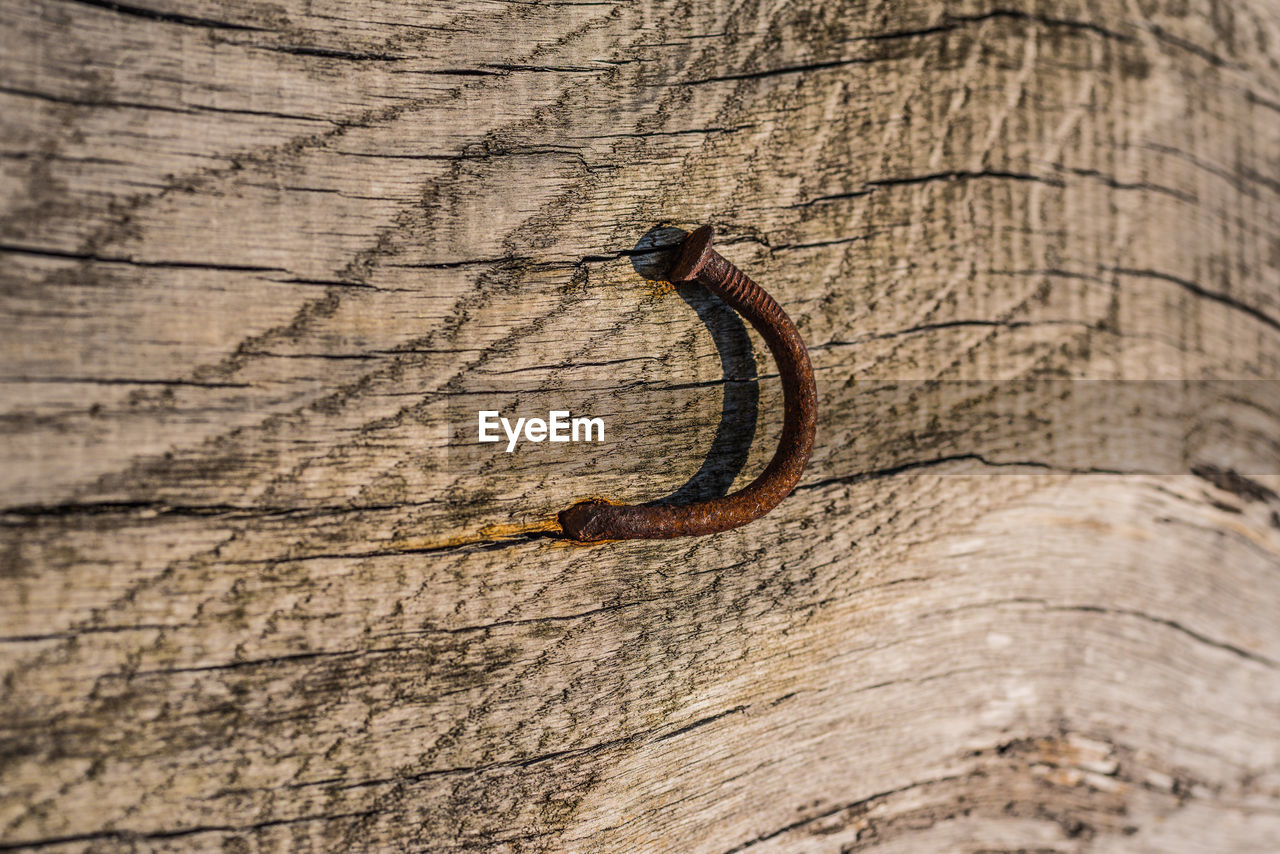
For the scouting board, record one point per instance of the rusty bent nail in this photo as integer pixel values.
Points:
(596, 520)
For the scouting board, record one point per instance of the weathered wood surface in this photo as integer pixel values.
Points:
(259, 259)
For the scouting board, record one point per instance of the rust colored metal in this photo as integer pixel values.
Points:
(597, 520)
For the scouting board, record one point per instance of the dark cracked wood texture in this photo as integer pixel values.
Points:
(260, 258)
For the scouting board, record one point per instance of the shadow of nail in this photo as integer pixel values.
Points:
(652, 258)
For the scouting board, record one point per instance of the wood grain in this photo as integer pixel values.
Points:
(263, 262)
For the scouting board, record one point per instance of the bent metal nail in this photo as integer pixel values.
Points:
(597, 520)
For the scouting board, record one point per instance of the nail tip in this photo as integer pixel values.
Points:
(577, 521)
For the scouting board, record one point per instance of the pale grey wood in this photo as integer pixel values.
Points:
(263, 261)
